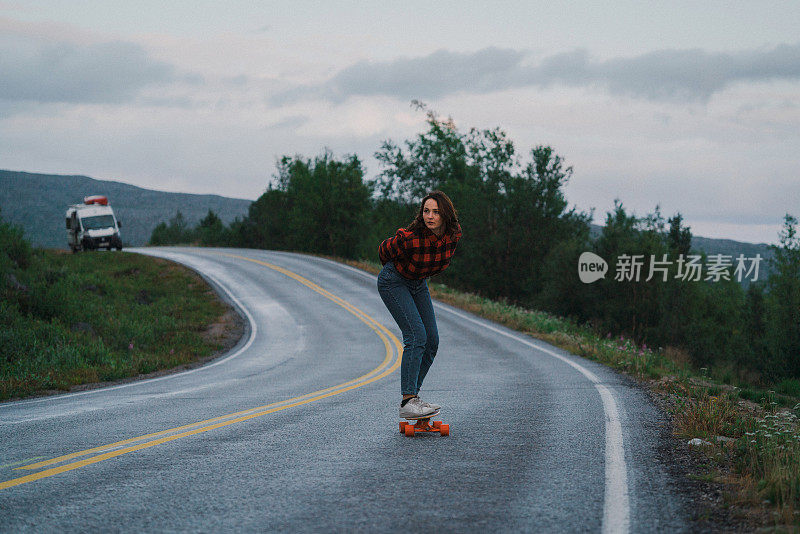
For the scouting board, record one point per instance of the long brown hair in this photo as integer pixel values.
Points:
(446, 210)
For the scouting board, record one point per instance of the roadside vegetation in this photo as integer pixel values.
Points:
(70, 319)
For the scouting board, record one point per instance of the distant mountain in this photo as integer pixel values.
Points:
(728, 247)
(37, 203)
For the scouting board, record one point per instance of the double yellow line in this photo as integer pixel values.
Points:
(112, 450)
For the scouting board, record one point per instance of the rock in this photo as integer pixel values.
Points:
(697, 442)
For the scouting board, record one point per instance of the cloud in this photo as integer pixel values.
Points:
(695, 74)
(106, 72)
(676, 75)
(435, 75)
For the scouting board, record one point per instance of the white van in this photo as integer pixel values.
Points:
(92, 225)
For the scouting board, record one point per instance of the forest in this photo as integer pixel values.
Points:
(522, 242)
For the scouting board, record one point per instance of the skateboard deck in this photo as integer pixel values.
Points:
(423, 424)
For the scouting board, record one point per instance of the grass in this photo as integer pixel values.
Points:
(753, 434)
(73, 319)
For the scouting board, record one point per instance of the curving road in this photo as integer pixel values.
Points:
(296, 428)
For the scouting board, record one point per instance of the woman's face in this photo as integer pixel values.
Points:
(431, 216)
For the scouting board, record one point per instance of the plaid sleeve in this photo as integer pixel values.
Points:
(393, 247)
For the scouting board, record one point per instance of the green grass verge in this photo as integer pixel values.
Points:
(752, 433)
(70, 319)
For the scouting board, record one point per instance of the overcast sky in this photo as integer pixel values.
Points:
(691, 106)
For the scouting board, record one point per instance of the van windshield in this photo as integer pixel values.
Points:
(98, 221)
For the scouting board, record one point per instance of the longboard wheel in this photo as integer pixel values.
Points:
(402, 426)
(409, 430)
(444, 430)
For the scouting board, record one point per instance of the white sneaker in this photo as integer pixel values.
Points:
(415, 409)
(431, 405)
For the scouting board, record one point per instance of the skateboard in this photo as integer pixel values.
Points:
(423, 424)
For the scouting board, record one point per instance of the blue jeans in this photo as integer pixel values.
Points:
(410, 304)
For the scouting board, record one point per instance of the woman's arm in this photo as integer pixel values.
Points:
(393, 247)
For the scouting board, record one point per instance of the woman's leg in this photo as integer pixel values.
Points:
(422, 300)
(395, 293)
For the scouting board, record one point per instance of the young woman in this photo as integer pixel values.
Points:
(409, 258)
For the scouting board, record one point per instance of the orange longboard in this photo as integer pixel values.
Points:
(424, 424)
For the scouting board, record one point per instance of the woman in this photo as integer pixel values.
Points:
(409, 258)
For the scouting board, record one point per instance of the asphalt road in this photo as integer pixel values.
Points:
(296, 429)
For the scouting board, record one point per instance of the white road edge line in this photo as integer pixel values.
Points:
(253, 331)
(616, 506)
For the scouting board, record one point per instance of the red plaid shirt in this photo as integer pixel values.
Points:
(420, 254)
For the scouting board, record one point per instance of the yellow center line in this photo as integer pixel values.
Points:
(12, 464)
(217, 422)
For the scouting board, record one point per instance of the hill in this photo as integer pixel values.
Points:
(729, 247)
(37, 203)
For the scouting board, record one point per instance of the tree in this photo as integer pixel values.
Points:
(177, 231)
(616, 306)
(266, 224)
(320, 205)
(211, 231)
(563, 293)
(702, 316)
(680, 237)
(783, 304)
(435, 158)
(539, 218)
(679, 300)
(512, 215)
(755, 329)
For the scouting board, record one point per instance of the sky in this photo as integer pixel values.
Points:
(693, 107)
